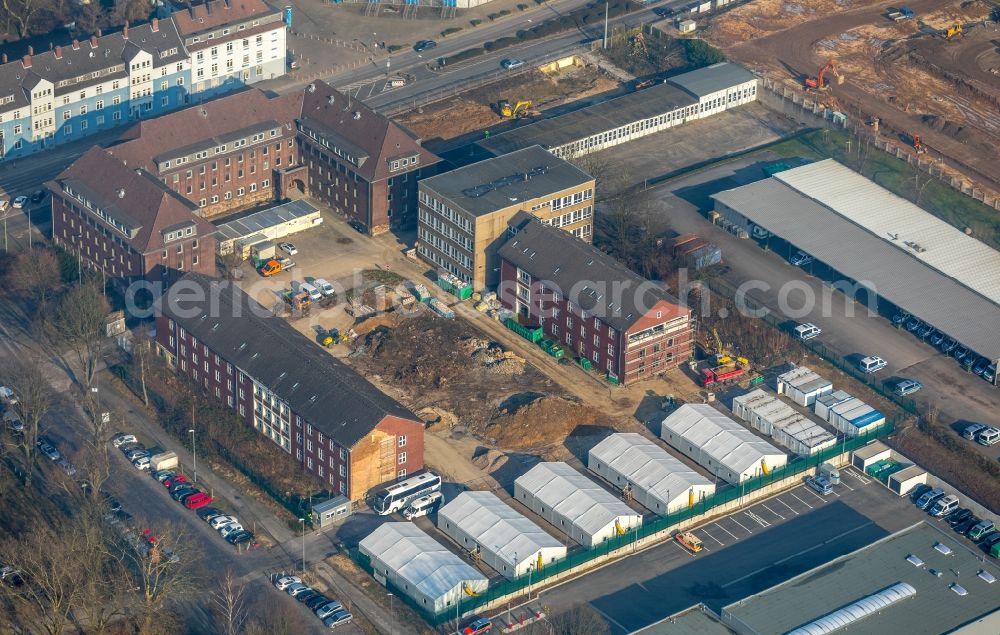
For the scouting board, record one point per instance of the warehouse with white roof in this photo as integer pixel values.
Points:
(855, 417)
(421, 567)
(781, 422)
(719, 444)
(574, 504)
(889, 249)
(659, 481)
(803, 386)
(504, 538)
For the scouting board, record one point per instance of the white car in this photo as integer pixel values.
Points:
(511, 63)
(141, 463)
(872, 364)
(288, 248)
(807, 331)
(231, 528)
(120, 440)
(7, 396)
(286, 581)
(20, 202)
(49, 451)
(222, 521)
(324, 287)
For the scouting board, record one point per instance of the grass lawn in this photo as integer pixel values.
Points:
(900, 178)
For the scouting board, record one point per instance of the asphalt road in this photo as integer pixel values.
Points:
(745, 552)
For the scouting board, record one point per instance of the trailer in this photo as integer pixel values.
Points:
(721, 374)
(163, 461)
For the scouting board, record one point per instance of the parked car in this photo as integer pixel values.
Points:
(231, 528)
(424, 45)
(663, 12)
(66, 467)
(478, 626)
(182, 491)
(988, 437)
(872, 364)
(306, 596)
(936, 338)
(929, 498)
(980, 366)
(38, 196)
(800, 259)
(283, 582)
(944, 506)
(141, 463)
(900, 318)
(960, 353)
(14, 423)
(807, 331)
(913, 325)
(972, 431)
(324, 287)
(907, 387)
(957, 516)
(121, 439)
(326, 610)
(967, 524)
(288, 248)
(135, 454)
(221, 521)
(948, 345)
(338, 618)
(162, 475)
(926, 331)
(198, 500)
(208, 513)
(48, 450)
(511, 63)
(298, 589)
(358, 226)
(317, 601)
(991, 540)
(173, 480)
(19, 202)
(919, 491)
(980, 530)
(240, 537)
(820, 484)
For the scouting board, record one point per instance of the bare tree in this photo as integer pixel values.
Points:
(280, 619)
(33, 398)
(229, 602)
(23, 13)
(79, 322)
(34, 275)
(581, 619)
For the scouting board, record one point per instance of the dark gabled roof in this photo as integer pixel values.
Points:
(335, 399)
(133, 198)
(357, 127)
(591, 279)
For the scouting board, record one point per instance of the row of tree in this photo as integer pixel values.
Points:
(26, 18)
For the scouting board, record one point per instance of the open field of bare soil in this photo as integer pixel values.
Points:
(908, 74)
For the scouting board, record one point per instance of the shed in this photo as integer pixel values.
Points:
(687, 26)
(770, 415)
(657, 480)
(501, 536)
(332, 511)
(273, 223)
(824, 403)
(906, 479)
(419, 566)
(803, 386)
(870, 454)
(854, 417)
(719, 444)
(574, 504)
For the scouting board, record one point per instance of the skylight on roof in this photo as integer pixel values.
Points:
(986, 576)
(915, 561)
(945, 549)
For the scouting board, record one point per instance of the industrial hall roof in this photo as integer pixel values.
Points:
(894, 271)
(721, 438)
(495, 184)
(317, 387)
(648, 466)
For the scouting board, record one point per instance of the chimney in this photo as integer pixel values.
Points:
(58, 52)
(4, 58)
(93, 41)
(125, 31)
(76, 45)
(100, 33)
(156, 25)
(26, 61)
(51, 45)
(31, 51)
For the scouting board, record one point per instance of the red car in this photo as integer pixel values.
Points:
(478, 626)
(176, 478)
(198, 500)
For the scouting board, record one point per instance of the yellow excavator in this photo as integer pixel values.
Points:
(520, 109)
(953, 30)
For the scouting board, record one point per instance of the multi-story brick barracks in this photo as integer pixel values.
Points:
(335, 423)
(627, 326)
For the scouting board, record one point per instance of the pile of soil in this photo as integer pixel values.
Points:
(532, 420)
(950, 128)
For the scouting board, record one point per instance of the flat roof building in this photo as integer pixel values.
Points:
(803, 386)
(505, 539)
(272, 223)
(886, 247)
(419, 566)
(885, 587)
(854, 417)
(825, 402)
(574, 504)
(656, 479)
(719, 444)
(773, 417)
(463, 214)
(686, 97)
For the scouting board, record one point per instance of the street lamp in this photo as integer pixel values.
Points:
(194, 452)
(302, 521)
(531, 567)
(392, 622)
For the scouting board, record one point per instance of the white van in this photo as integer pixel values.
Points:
(324, 287)
(872, 364)
(807, 331)
(310, 290)
(988, 437)
(945, 506)
(423, 506)
(829, 472)
(973, 430)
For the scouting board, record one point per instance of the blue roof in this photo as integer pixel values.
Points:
(867, 419)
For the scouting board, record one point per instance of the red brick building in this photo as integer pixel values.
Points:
(335, 423)
(595, 307)
(124, 222)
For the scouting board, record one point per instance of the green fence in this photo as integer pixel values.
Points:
(517, 586)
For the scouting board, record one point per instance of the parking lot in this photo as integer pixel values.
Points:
(743, 553)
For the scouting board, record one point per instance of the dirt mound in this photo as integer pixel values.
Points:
(950, 128)
(489, 460)
(531, 420)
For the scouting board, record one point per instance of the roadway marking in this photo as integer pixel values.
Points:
(722, 544)
(795, 555)
(727, 531)
(846, 485)
(772, 511)
(787, 505)
(610, 619)
(740, 524)
(760, 521)
(800, 500)
(820, 498)
(682, 548)
(860, 477)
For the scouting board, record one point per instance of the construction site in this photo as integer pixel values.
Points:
(924, 75)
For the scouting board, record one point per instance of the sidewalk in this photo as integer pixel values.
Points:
(253, 515)
(361, 603)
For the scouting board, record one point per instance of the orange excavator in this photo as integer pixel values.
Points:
(819, 82)
(917, 146)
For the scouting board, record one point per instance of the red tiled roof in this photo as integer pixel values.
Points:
(217, 13)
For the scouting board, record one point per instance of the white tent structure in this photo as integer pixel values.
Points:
(573, 503)
(775, 418)
(420, 566)
(504, 538)
(659, 481)
(719, 444)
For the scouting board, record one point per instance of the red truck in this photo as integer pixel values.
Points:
(711, 376)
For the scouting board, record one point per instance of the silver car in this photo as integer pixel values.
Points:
(328, 609)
